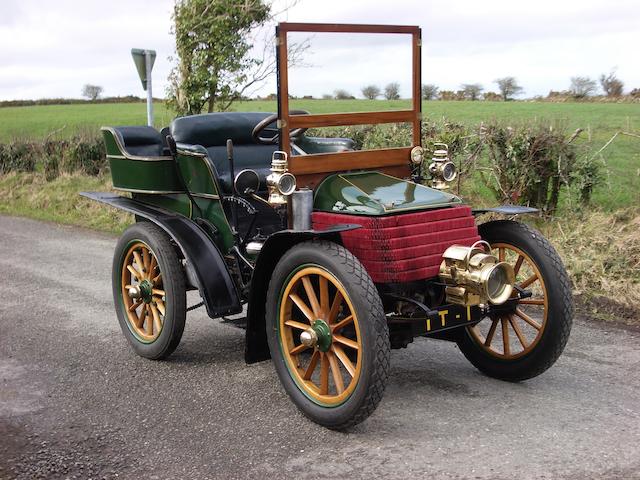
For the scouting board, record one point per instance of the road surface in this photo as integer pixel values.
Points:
(75, 402)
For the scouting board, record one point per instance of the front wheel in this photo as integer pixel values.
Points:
(327, 334)
(525, 342)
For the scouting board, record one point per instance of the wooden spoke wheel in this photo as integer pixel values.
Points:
(149, 290)
(523, 342)
(327, 334)
(514, 334)
(142, 292)
(320, 335)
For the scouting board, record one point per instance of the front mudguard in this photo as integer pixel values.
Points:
(256, 347)
(211, 275)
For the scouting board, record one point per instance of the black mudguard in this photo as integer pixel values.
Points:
(506, 210)
(256, 347)
(216, 287)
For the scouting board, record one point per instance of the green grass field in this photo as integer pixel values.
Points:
(599, 120)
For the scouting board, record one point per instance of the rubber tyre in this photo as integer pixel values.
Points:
(373, 329)
(560, 304)
(173, 282)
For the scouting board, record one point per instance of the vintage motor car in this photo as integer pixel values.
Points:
(338, 255)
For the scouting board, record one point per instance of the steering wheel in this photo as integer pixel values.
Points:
(264, 126)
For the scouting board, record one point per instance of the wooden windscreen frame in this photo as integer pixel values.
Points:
(312, 167)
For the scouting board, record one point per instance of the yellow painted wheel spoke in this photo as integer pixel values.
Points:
(303, 307)
(505, 337)
(516, 267)
(156, 319)
(157, 291)
(324, 297)
(146, 258)
(501, 254)
(139, 262)
(342, 323)
(324, 374)
(335, 371)
(531, 301)
(299, 349)
(519, 334)
(492, 331)
(298, 325)
(311, 295)
(528, 319)
(312, 365)
(160, 306)
(134, 272)
(529, 281)
(335, 307)
(346, 341)
(342, 356)
(135, 305)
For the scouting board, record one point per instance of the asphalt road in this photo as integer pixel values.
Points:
(75, 402)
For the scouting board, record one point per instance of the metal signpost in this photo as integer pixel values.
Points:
(144, 60)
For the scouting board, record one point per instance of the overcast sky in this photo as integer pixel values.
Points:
(51, 49)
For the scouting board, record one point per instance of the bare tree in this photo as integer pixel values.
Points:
(429, 91)
(471, 91)
(611, 84)
(508, 87)
(392, 91)
(371, 92)
(342, 94)
(582, 87)
(92, 92)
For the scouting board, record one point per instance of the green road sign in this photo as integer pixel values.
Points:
(139, 58)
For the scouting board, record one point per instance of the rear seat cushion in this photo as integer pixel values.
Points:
(141, 141)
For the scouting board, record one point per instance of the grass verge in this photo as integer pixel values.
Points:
(30, 195)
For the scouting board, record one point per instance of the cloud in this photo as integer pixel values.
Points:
(50, 49)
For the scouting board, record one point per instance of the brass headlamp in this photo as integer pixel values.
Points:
(441, 168)
(280, 182)
(474, 276)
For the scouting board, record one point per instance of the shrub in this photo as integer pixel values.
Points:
(84, 154)
(531, 163)
(17, 157)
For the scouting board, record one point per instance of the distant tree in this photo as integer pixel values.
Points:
(447, 95)
(342, 94)
(635, 93)
(508, 87)
(327, 96)
(392, 91)
(471, 91)
(429, 91)
(371, 92)
(492, 96)
(611, 84)
(92, 92)
(582, 87)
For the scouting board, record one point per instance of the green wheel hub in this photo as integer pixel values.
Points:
(324, 335)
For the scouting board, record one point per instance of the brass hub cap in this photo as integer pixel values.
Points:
(142, 292)
(511, 335)
(320, 336)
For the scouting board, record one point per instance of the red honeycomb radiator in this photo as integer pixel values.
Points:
(403, 247)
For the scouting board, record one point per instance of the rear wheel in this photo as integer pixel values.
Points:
(524, 343)
(149, 291)
(327, 334)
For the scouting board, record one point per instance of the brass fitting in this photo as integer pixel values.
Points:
(441, 168)
(474, 276)
(280, 182)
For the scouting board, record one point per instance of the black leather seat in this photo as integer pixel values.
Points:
(211, 131)
(141, 141)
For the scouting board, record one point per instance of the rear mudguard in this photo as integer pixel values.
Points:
(256, 347)
(217, 289)
(506, 210)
